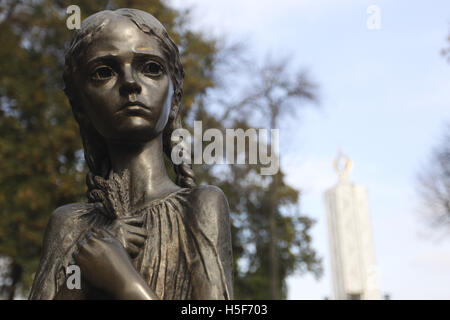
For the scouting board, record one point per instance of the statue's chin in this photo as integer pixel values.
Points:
(135, 129)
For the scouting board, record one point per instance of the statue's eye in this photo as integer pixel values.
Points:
(103, 73)
(152, 69)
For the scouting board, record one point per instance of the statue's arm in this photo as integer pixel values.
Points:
(65, 230)
(212, 231)
(59, 235)
(106, 265)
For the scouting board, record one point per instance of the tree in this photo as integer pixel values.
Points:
(270, 237)
(41, 159)
(434, 184)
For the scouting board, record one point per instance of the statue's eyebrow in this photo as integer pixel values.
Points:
(103, 57)
(140, 55)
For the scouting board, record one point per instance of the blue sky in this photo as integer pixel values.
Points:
(385, 99)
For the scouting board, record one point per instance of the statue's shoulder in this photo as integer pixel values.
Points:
(68, 214)
(210, 223)
(210, 208)
(209, 200)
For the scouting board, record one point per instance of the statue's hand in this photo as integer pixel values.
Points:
(130, 233)
(105, 264)
(103, 261)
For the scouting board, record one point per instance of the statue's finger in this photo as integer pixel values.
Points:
(132, 250)
(136, 240)
(134, 221)
(137, 231)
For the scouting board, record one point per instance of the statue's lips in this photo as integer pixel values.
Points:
(135, 107)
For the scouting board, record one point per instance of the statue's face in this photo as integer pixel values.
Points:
(124, 86)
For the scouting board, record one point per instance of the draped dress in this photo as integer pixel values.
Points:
(187, 254)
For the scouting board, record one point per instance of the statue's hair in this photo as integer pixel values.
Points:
(95, 151)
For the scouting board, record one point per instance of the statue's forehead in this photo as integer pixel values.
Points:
(146, 20)
(115, 28)
(119, 36)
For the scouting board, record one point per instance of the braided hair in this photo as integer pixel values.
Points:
(95, 151)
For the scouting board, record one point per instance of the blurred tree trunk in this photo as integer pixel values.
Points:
(16, 276)
(275, 287)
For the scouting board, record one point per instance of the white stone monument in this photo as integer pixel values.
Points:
(354, 271)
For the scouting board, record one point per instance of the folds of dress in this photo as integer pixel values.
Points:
(187, 254)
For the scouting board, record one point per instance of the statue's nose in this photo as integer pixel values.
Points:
(129, 84)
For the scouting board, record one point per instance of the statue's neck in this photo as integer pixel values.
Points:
(148, 174)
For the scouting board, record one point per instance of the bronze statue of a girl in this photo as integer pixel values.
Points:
(140, 236)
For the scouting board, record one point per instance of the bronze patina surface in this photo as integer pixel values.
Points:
(140, 235)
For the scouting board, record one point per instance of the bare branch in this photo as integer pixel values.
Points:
(434, 184)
